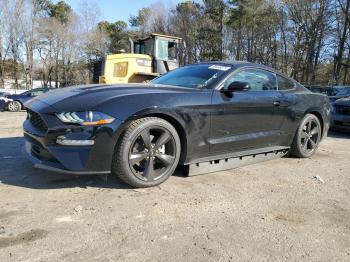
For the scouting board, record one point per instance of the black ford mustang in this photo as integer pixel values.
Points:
(195, 114)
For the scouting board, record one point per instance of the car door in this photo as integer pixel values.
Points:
(284, 112)
(245, 120)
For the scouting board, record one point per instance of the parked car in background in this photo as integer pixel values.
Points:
(4, 94)
(341, 114)
(15, 103)
(13, 91)
(2, 105)
(327, 90)
(4, 100)
(341, 92)
(204, 113)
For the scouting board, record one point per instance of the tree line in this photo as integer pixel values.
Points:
(306, 39)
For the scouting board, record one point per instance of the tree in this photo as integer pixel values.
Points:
(310, 20)
(118, 35)
(3, 53)
(13, 37)
(152, 19)
(343, 25)
(211, 32)
(61, 11)
(95, 42)
(235, 22)
(141, 18)
(185, 20)
(49, 41)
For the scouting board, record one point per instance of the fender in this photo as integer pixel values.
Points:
(323, 117)
(170, 116)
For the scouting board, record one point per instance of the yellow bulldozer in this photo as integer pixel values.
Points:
(148, 58)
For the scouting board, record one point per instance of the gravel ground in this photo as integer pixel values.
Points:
(273, 211)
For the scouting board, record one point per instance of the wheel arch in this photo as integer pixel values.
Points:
(173, 120)
(180, 131)
(19, 101)
(319, 117)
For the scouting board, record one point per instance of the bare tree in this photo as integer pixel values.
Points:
(3, 52)
(48, 40)
(343, 19)
(94, 42)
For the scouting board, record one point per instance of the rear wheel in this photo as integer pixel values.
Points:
(148, 152)
(14, 106)
(307, 138)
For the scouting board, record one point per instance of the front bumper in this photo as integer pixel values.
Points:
(340, 122)
(43, 151)
(53, 166)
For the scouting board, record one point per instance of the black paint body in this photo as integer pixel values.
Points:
(210, 123)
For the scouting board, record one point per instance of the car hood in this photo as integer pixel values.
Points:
(89, 97)
(12, 96)
(343, 102)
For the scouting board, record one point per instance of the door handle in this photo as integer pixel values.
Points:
(277, 103)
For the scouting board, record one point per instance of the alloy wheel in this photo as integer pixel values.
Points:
(152, 154)
(13, 106)
(310, 136)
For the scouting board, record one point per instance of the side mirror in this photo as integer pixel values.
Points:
(238, 86)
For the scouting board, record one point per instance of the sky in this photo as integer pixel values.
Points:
(114, 10)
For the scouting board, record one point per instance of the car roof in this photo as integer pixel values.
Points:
(231, 63)
(238, 64)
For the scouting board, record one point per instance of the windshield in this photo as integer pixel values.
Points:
(344, 92)
(194, 76)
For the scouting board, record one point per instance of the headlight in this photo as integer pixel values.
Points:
(88, 118)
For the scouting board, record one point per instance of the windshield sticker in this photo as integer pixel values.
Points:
(221, 68)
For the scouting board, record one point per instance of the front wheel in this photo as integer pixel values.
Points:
(307, 137)
(148, 152)
(14, 106)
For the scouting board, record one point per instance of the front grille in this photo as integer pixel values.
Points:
(343, 110)
(36, 120)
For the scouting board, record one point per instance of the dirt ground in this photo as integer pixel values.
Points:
(273, 211)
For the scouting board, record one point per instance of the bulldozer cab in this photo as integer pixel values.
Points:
(163, 49)
(148, 58)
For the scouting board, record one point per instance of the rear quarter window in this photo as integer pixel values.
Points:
(284, 83)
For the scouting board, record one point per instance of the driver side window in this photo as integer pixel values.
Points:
(258, 80)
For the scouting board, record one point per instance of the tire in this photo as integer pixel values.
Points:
(307, 137)
(148, 152)
(14, 106)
